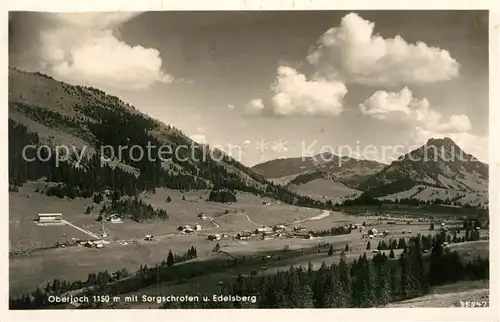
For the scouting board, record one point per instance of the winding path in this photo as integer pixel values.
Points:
(250, 220)
(323, 214)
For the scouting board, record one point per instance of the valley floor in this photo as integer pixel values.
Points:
(127, 248)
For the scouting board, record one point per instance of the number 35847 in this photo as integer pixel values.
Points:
(473, 303)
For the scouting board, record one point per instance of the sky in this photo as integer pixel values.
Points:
(267, 85)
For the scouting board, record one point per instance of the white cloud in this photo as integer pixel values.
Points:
(456, 123)
(383, 105)
(424, 121)
(83, 48)
(247, 142)
(403, 107)
(230, 106)
(295, 95)
(352, 51)
(255, 107)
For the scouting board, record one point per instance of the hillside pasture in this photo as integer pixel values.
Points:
(322, 189)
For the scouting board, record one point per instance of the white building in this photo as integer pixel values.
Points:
(116, 220)
(214, 237)
(197, 227)
(263, 230)
(55, 218)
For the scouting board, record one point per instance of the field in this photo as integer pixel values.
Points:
(325, 189)
(479, 197)
(128, 249)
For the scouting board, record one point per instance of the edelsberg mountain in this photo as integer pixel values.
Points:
(44, 111)
(440, 169)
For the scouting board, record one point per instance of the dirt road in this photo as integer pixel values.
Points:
(80, 229)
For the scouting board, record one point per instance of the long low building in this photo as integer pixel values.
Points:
(49, 218)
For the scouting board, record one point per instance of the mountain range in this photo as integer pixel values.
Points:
(440, 169)
(45, 111)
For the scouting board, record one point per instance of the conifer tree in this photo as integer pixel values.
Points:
(363, 291)
(344, 277)
(382, 288)
(417, 267)
(402, 243)
(292, 288)
(170, 259)
(305, 299)
(393, 284)
(405, 287)
(436, 274)
(319, 291)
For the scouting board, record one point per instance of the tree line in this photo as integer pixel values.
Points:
(134, 208)
(97, 282)
(334, 231)
(361, 283)
(119, 128)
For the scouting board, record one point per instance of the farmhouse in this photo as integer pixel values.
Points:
(279, 228)
(186, 229)
(197, 227)
(303, 235)
(202, 216)
(263, 230)
(116, 220)
(214, 237)
(49, 218)
(244, 235)
(87, 244)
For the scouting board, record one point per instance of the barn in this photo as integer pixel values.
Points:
(49, 218)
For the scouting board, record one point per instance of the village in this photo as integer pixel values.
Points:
(264, 233)
(247, 229)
